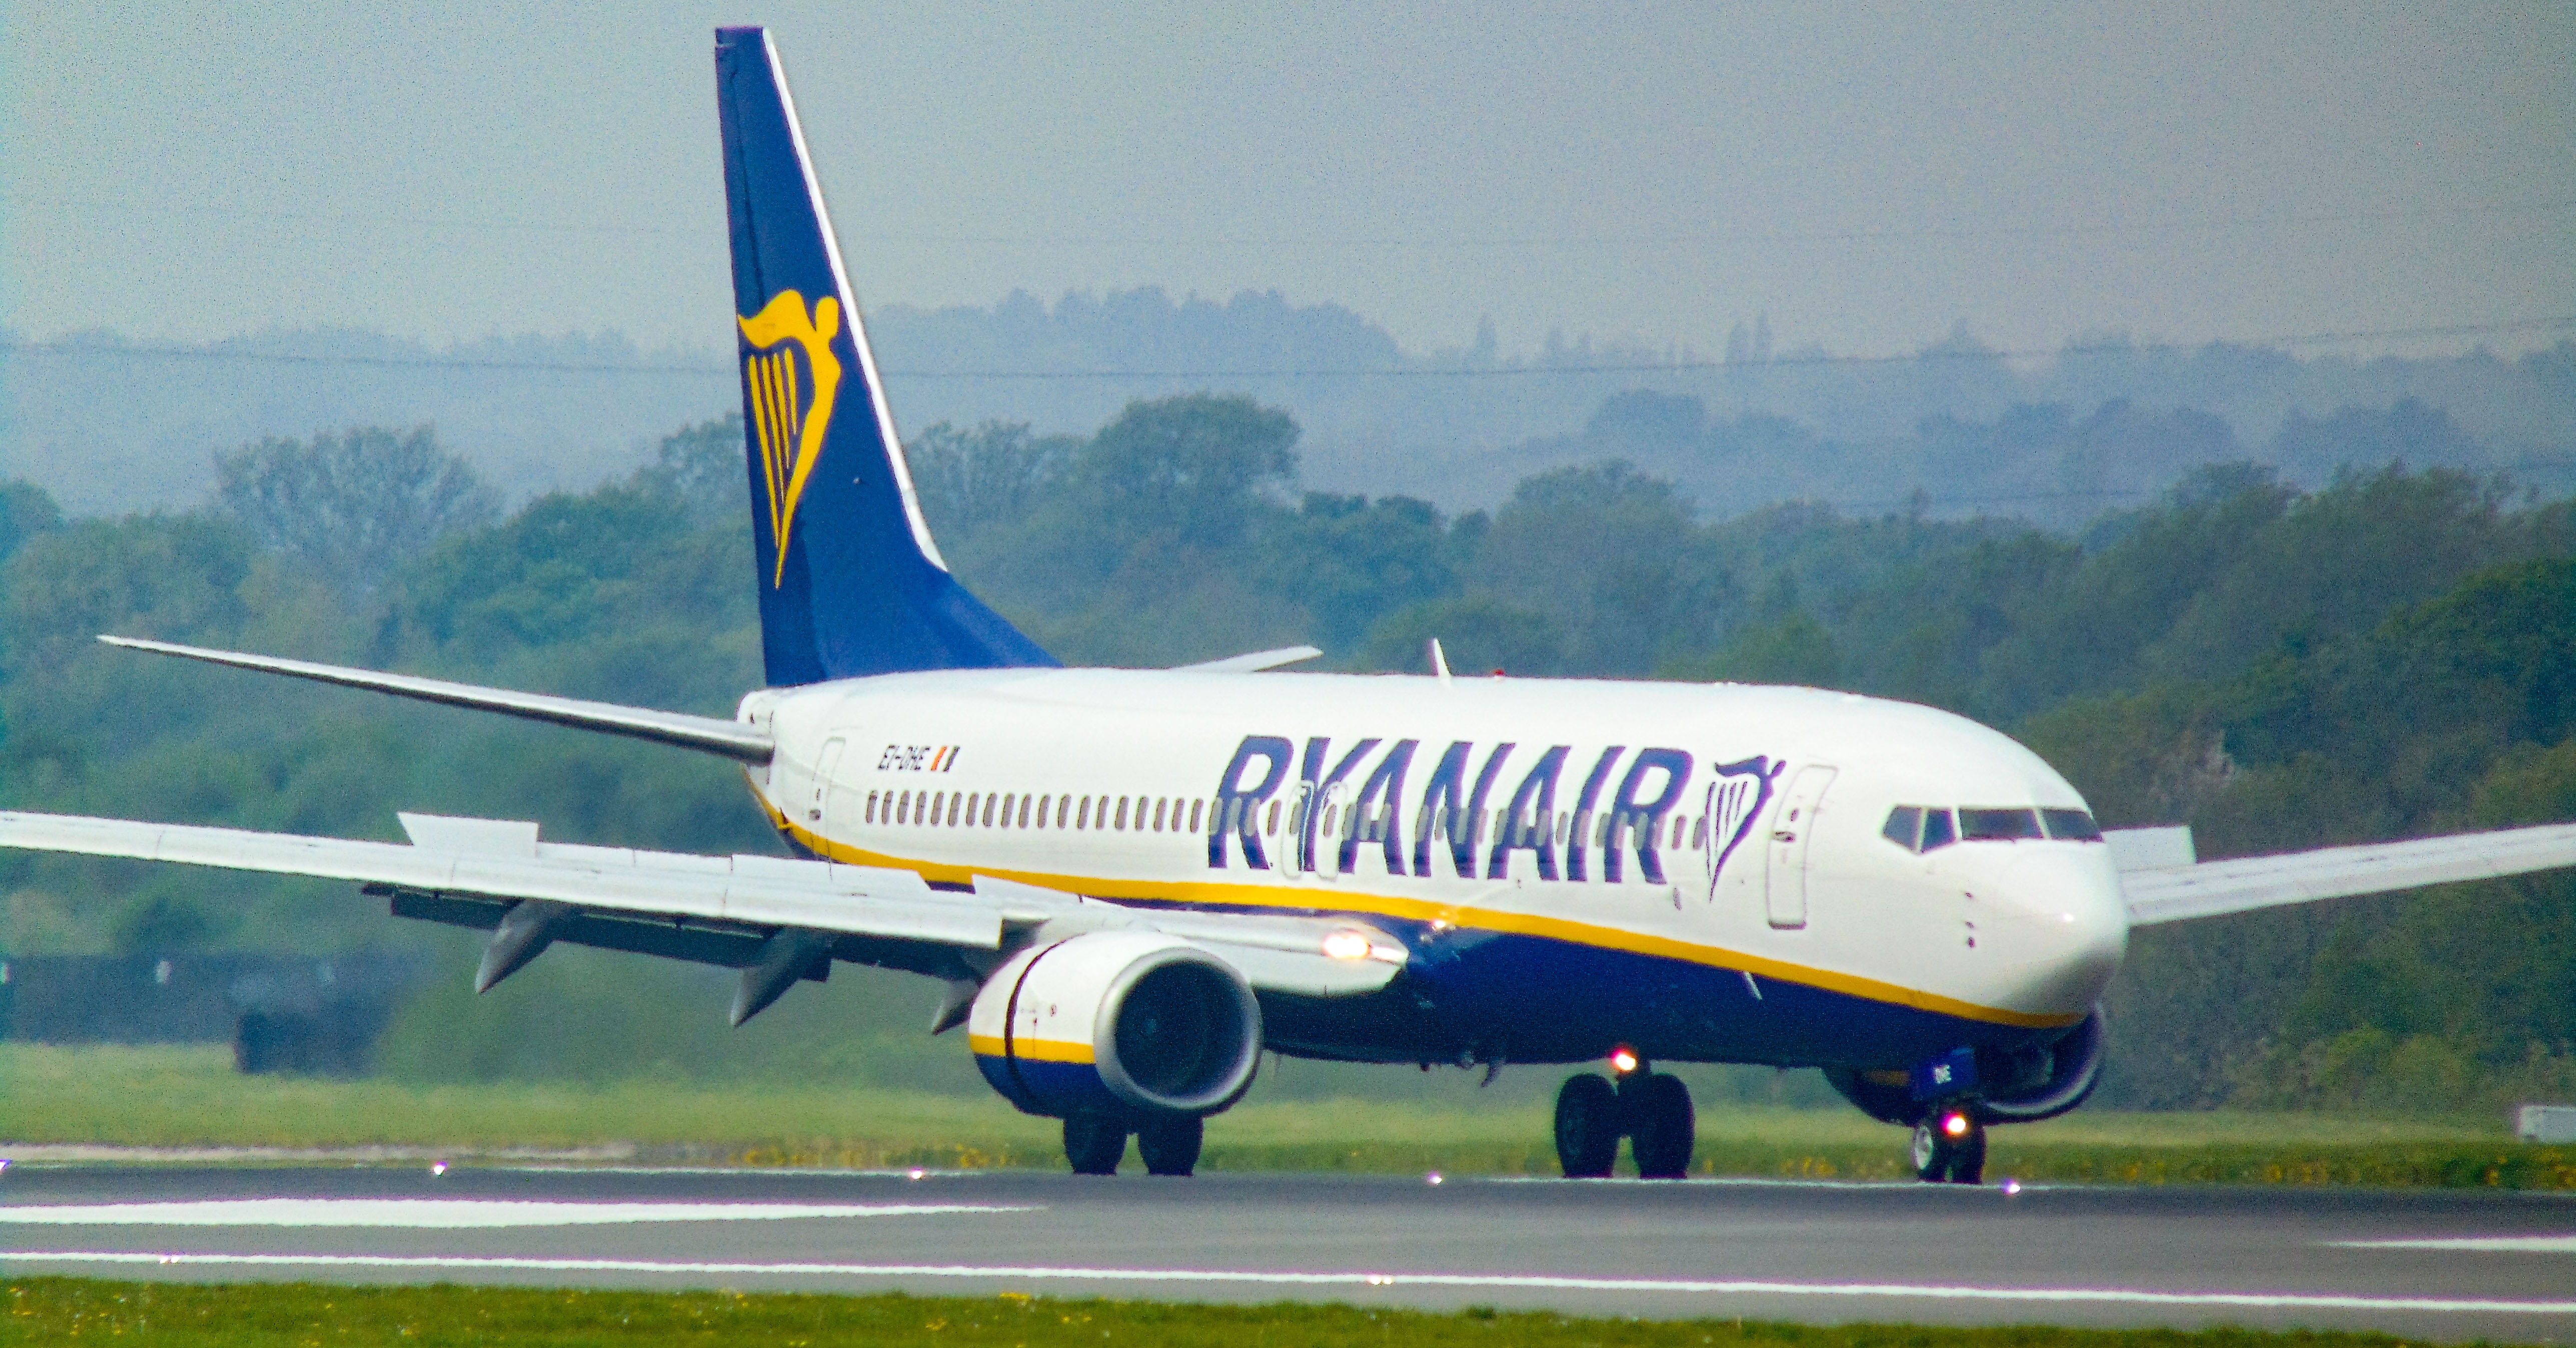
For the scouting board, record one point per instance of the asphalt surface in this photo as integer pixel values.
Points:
(2269, 1257)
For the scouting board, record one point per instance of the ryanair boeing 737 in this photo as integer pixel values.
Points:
(1133, 882)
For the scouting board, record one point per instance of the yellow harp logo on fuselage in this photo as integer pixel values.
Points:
(791, 401)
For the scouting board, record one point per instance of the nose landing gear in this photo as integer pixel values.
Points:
(1950, 1145)
(1652, 1110)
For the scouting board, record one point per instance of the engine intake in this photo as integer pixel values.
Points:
(2025, 1086)
(1125, 1023)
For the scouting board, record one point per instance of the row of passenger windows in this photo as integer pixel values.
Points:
(972, 809)
(1921, 828)
(1164, 814)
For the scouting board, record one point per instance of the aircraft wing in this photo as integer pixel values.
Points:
(776, 918)
(2210, 888)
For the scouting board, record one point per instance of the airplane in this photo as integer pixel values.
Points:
(1134, 882)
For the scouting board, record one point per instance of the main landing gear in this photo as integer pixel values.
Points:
(1650, 1109)
(1096, 1143)
(1950, 1145)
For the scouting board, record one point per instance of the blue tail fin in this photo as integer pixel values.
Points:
(850, 583)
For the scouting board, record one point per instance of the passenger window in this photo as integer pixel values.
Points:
(1122, 814)
(1938, 831)
(1273, 830)
(1082, 820)
(1904, 826)
(1999, 825)
(1198, 809)
(872, 807)
(2071, 825)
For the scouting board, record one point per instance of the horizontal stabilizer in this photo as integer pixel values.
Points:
(733, 739)
(2216, 887)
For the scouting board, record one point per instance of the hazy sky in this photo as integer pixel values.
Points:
(1866, 175)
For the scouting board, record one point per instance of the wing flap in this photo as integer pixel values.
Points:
(2213, 888)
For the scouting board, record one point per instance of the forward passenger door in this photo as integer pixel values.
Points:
(1792, 826)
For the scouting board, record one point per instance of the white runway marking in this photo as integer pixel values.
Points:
(449, 1214)
(2505, 1244)
(1473, 1281)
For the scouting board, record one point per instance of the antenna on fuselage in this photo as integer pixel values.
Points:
(1439, 662)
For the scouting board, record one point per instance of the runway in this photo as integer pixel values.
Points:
(2434, 1264)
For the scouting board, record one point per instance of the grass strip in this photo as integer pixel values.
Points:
(191, 1097)
(306, 1315)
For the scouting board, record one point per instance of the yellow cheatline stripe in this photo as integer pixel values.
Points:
(1225, 894)
(1030, 1050)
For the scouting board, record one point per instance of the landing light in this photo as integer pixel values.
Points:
(1956, 1125)
(1347, 945)
(1623, 1060)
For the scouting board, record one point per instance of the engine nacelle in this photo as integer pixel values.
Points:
(1133, 1024)
(2044, 1082)
(2039, 1082)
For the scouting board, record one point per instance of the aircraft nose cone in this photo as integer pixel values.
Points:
(2069, 924)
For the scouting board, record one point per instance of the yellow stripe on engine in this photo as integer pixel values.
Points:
(1030, 1050)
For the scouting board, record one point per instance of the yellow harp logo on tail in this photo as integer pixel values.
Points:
(791, 401)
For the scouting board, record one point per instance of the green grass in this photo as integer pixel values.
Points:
(190, 1097)
(293, 1315)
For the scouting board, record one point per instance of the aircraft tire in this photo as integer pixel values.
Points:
(1587, 1126)
(1171, 1147)
(1968, 1158)
(1930, 1154)
(1662, 1126)
(1942, 1159)
(1094, 1143)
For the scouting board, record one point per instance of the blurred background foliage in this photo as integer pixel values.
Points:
(2392, 653)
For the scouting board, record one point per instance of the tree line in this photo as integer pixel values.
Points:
(2393, 653)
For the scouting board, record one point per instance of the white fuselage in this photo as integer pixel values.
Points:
(1767, 869)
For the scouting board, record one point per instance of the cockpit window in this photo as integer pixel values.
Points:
(1922, 828)
(2071, 825)
(1985, 825)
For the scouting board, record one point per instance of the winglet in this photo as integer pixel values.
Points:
(1254, 662)
(1439, 662)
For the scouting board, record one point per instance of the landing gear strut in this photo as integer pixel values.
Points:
(1950, 1145)
(1652, 1110)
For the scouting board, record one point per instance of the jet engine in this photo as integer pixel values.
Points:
(1138, 1025)
(2026, 1085)
(2045, 1080)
